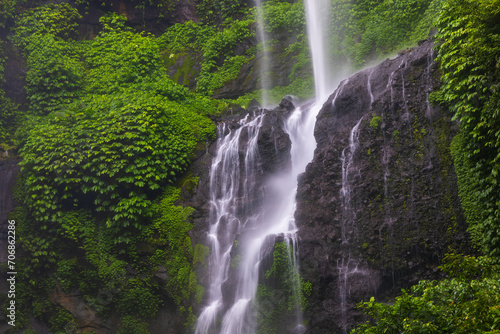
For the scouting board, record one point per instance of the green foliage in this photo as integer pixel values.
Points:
(58, 20)
(170, 228)
(108, 131)
(375, 122)
(300, 88)
(213, 74)
(468, 188)
(118, 58)
(132, 325)
(60, 320)
(214, 12)
(110, 151)
(468, 48)
(185, 35)
(8, 10)
(139, 299)
(55, 74)
(370, 29)
(284, 17)
(201, 253)
(466, 302)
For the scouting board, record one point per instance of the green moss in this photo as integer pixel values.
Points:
(375, 122)
(201, 252)
(277, 303)
(235, 262)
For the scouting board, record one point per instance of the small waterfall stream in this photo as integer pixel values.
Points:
(265, 79)
(232, 184)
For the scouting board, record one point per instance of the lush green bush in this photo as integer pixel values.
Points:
(213, 74)
(119, 57)
(111, 150)
(55, 73)
(54, 19)
(467, 302)
(8, 10)
(215, 12)
(468, 48)
(284, 17)
(170, 229)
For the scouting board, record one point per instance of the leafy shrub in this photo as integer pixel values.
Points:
(120, 57)
(468, 48)
(132, 325)
(58, 20)
(138, 299)
(284, 17)
(283, 293)
(213, 75)
(110, 152)
(170, 228)
(466, 302)
(55, 74)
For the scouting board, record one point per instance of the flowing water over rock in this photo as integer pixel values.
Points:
(251, 209)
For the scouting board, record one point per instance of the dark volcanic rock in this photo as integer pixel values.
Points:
(387, 221)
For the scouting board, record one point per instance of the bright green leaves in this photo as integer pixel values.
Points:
(467, 302)
(55, 74)
(113, 152)
(114, 131)
(170, 230)
(213, 12)
(213, 74)
(117, 58)
(284, 17)
(58, 20)
(469, 48)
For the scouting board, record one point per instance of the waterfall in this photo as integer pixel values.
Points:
(232, 186)
(251, 230)
(317, 20)
(231, 182)
(265, 80)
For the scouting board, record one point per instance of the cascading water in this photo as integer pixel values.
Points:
(317, 13)
(265, 79)
(228, 185)
(231, 184)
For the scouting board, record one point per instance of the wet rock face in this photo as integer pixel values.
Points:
(384, 219)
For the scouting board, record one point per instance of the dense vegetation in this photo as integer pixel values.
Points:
(107, 137)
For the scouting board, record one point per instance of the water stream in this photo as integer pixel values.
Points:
(264, 63)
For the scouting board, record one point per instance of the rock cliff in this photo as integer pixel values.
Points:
(377, 208)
